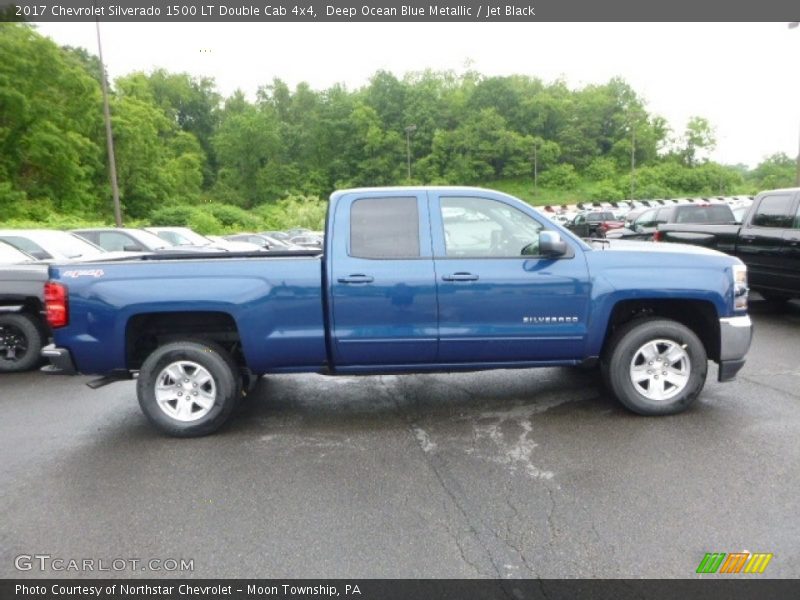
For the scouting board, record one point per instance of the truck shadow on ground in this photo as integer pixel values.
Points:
(375, 402)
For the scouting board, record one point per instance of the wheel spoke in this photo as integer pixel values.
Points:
(649, 351)
(675, 377)
(674, 354)
(204, 399)
(184, 409)
(174, 373)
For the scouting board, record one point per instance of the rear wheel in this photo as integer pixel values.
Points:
(655, 366)
(21, 342)
(188, 388)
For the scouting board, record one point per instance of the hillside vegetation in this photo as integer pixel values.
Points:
(187, 155)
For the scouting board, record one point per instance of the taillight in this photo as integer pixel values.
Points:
(56, 305)
(658, 236)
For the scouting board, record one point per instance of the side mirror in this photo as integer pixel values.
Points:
(551, 244)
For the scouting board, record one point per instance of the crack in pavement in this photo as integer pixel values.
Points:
(513, 556)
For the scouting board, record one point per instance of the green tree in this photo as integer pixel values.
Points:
(50, 124)
(776, 171)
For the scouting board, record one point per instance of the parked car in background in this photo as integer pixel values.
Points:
(185, 237)
(767, 241)
(23, 330)
(47, 244)
(739, 212)
(307, 241)
(644, 226)
(234, 245)
(278, 235)
(593, 223)
(9, 255)
(298, 231)
(263, 242)
(118, 239)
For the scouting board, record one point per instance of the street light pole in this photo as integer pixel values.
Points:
(112, 163)
(409, 130)
(633, 159)
(793, 25)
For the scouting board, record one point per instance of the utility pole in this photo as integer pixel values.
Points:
(112, 163)
(409, 130)
(535, 167)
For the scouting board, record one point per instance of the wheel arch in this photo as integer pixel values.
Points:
(147, 331)
(698, 315)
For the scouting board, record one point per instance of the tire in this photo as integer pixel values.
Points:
(639, 383)
(210, 381)
(21, 341)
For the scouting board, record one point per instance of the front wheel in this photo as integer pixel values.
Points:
(655, 366)
(188, 388)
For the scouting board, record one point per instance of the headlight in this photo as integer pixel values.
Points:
(740, 289)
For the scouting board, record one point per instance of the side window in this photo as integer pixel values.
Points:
(797, 218)
(579, 220)
(662, 216)
(773, 211)
(479, 227)
(646, 219)
(384, 228)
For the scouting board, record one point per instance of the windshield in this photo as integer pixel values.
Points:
(183, 237)
(9, 254)
(150, 239)
(273, 241)
(55, 244)
(67, 245)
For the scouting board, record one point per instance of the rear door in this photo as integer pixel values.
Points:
(383, 294)
(764, 239)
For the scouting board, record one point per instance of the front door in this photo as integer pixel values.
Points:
(499, 300)
(763, 241)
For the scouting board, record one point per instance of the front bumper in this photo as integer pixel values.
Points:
(60, 361)
(735, 335)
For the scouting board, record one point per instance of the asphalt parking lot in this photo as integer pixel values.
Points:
(499, 474)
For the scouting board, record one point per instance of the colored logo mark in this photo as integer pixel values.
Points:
(735, 562)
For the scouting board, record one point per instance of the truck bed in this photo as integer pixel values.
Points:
(275, 302)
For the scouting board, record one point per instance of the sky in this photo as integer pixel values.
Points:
(740, 76)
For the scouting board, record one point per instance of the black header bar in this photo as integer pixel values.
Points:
(403, 11)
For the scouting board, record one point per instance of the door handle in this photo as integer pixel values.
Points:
(747, 238)
(356, 278)
(460, 277)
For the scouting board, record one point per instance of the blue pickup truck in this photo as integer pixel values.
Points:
(409, 280)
